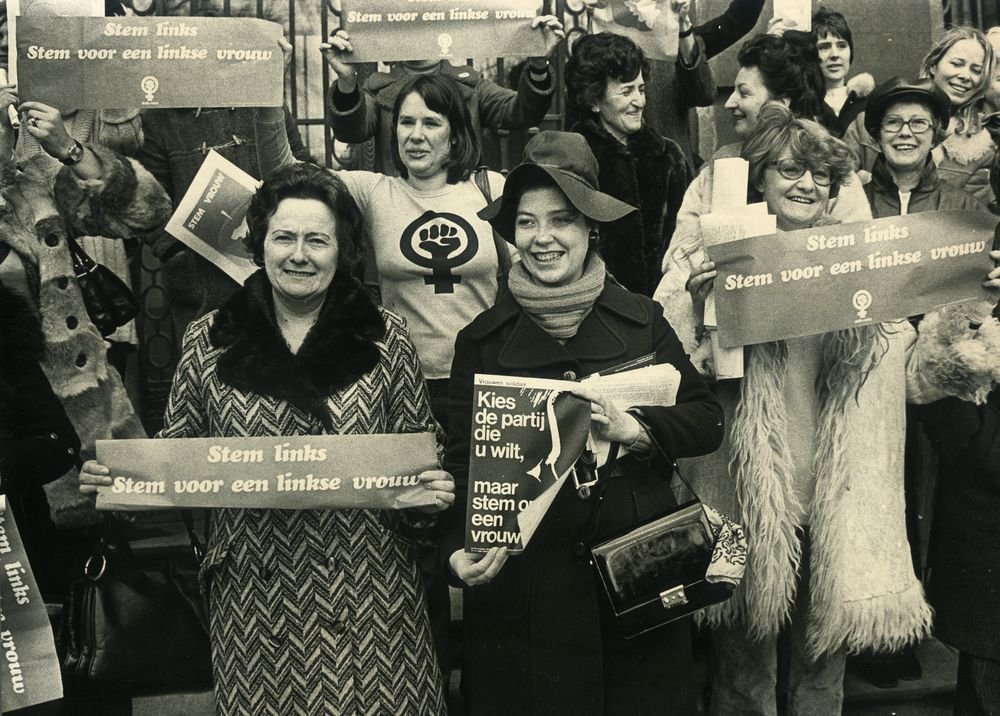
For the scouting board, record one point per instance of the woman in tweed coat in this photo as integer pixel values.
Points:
(311, 611)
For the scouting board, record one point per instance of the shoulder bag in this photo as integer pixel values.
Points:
(109, 301)
(657, 571)
(136, 626)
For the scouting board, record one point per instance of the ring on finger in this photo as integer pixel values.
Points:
(33, 121)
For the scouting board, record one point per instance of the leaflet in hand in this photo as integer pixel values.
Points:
(649, 385)
(527, 434)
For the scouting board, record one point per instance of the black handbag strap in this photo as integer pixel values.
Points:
(196, 546)
(609, 466)
(82, 263)
(97, 563)
(482, 178)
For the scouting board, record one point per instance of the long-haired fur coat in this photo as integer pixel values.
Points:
(864, 592)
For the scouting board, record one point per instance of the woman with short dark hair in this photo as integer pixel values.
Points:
(835, 45)
(437, 261)
(314, 610)
(606, 82)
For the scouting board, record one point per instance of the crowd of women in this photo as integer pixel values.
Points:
(588, 255)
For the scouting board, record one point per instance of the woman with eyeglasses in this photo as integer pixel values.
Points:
(784, 69)
(961, 66)
(812, 464)
(907, 120)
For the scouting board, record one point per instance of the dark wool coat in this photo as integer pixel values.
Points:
(540, 638)
(37, 445)
(311, 611)
(672, 90)
(649, 173)
(37, 439)
(964, 559)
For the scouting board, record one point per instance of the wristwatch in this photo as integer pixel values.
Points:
(75, 155)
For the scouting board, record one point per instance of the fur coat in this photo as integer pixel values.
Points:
(650, 173)
(125, 202)
(864, 592)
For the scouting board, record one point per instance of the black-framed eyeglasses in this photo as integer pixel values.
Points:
(793, 169)
(917, 125)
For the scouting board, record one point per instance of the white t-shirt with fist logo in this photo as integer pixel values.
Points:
(436, 259)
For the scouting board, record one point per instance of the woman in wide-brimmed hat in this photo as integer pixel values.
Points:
(540, 636)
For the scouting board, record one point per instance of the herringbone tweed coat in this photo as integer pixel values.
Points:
(312, 611)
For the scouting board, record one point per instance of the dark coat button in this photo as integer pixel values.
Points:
(81, 360)
(52, 240)
(62, 282)
(569, 375)
(71, 322)
(338, 627)
(580, 549)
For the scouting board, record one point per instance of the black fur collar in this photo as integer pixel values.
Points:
(337, 351)
(645, 142)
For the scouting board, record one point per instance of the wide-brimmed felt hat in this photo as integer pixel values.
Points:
(897, 90)
(566, 158)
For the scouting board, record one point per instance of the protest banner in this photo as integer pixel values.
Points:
(651, 24)
(43, 8)
(811, 281)
(527, 433)
(387, 30)
(31, 672)
(285, 473)
(211, 218)
(100, 63)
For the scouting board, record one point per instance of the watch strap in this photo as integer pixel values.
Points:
(75, 155)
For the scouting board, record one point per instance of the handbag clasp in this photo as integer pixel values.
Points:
(673, 597)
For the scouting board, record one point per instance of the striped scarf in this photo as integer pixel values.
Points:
(559, 310)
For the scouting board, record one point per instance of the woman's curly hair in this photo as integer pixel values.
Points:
(789, 66)
(779, 129)
(597, 58)
(306, 181)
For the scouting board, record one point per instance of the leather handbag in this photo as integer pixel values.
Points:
(109, 301)
(136, 626)
(655, 572)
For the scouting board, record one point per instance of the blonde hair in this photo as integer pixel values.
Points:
(966, 117)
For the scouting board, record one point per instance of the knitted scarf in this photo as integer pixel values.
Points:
(558, 309)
